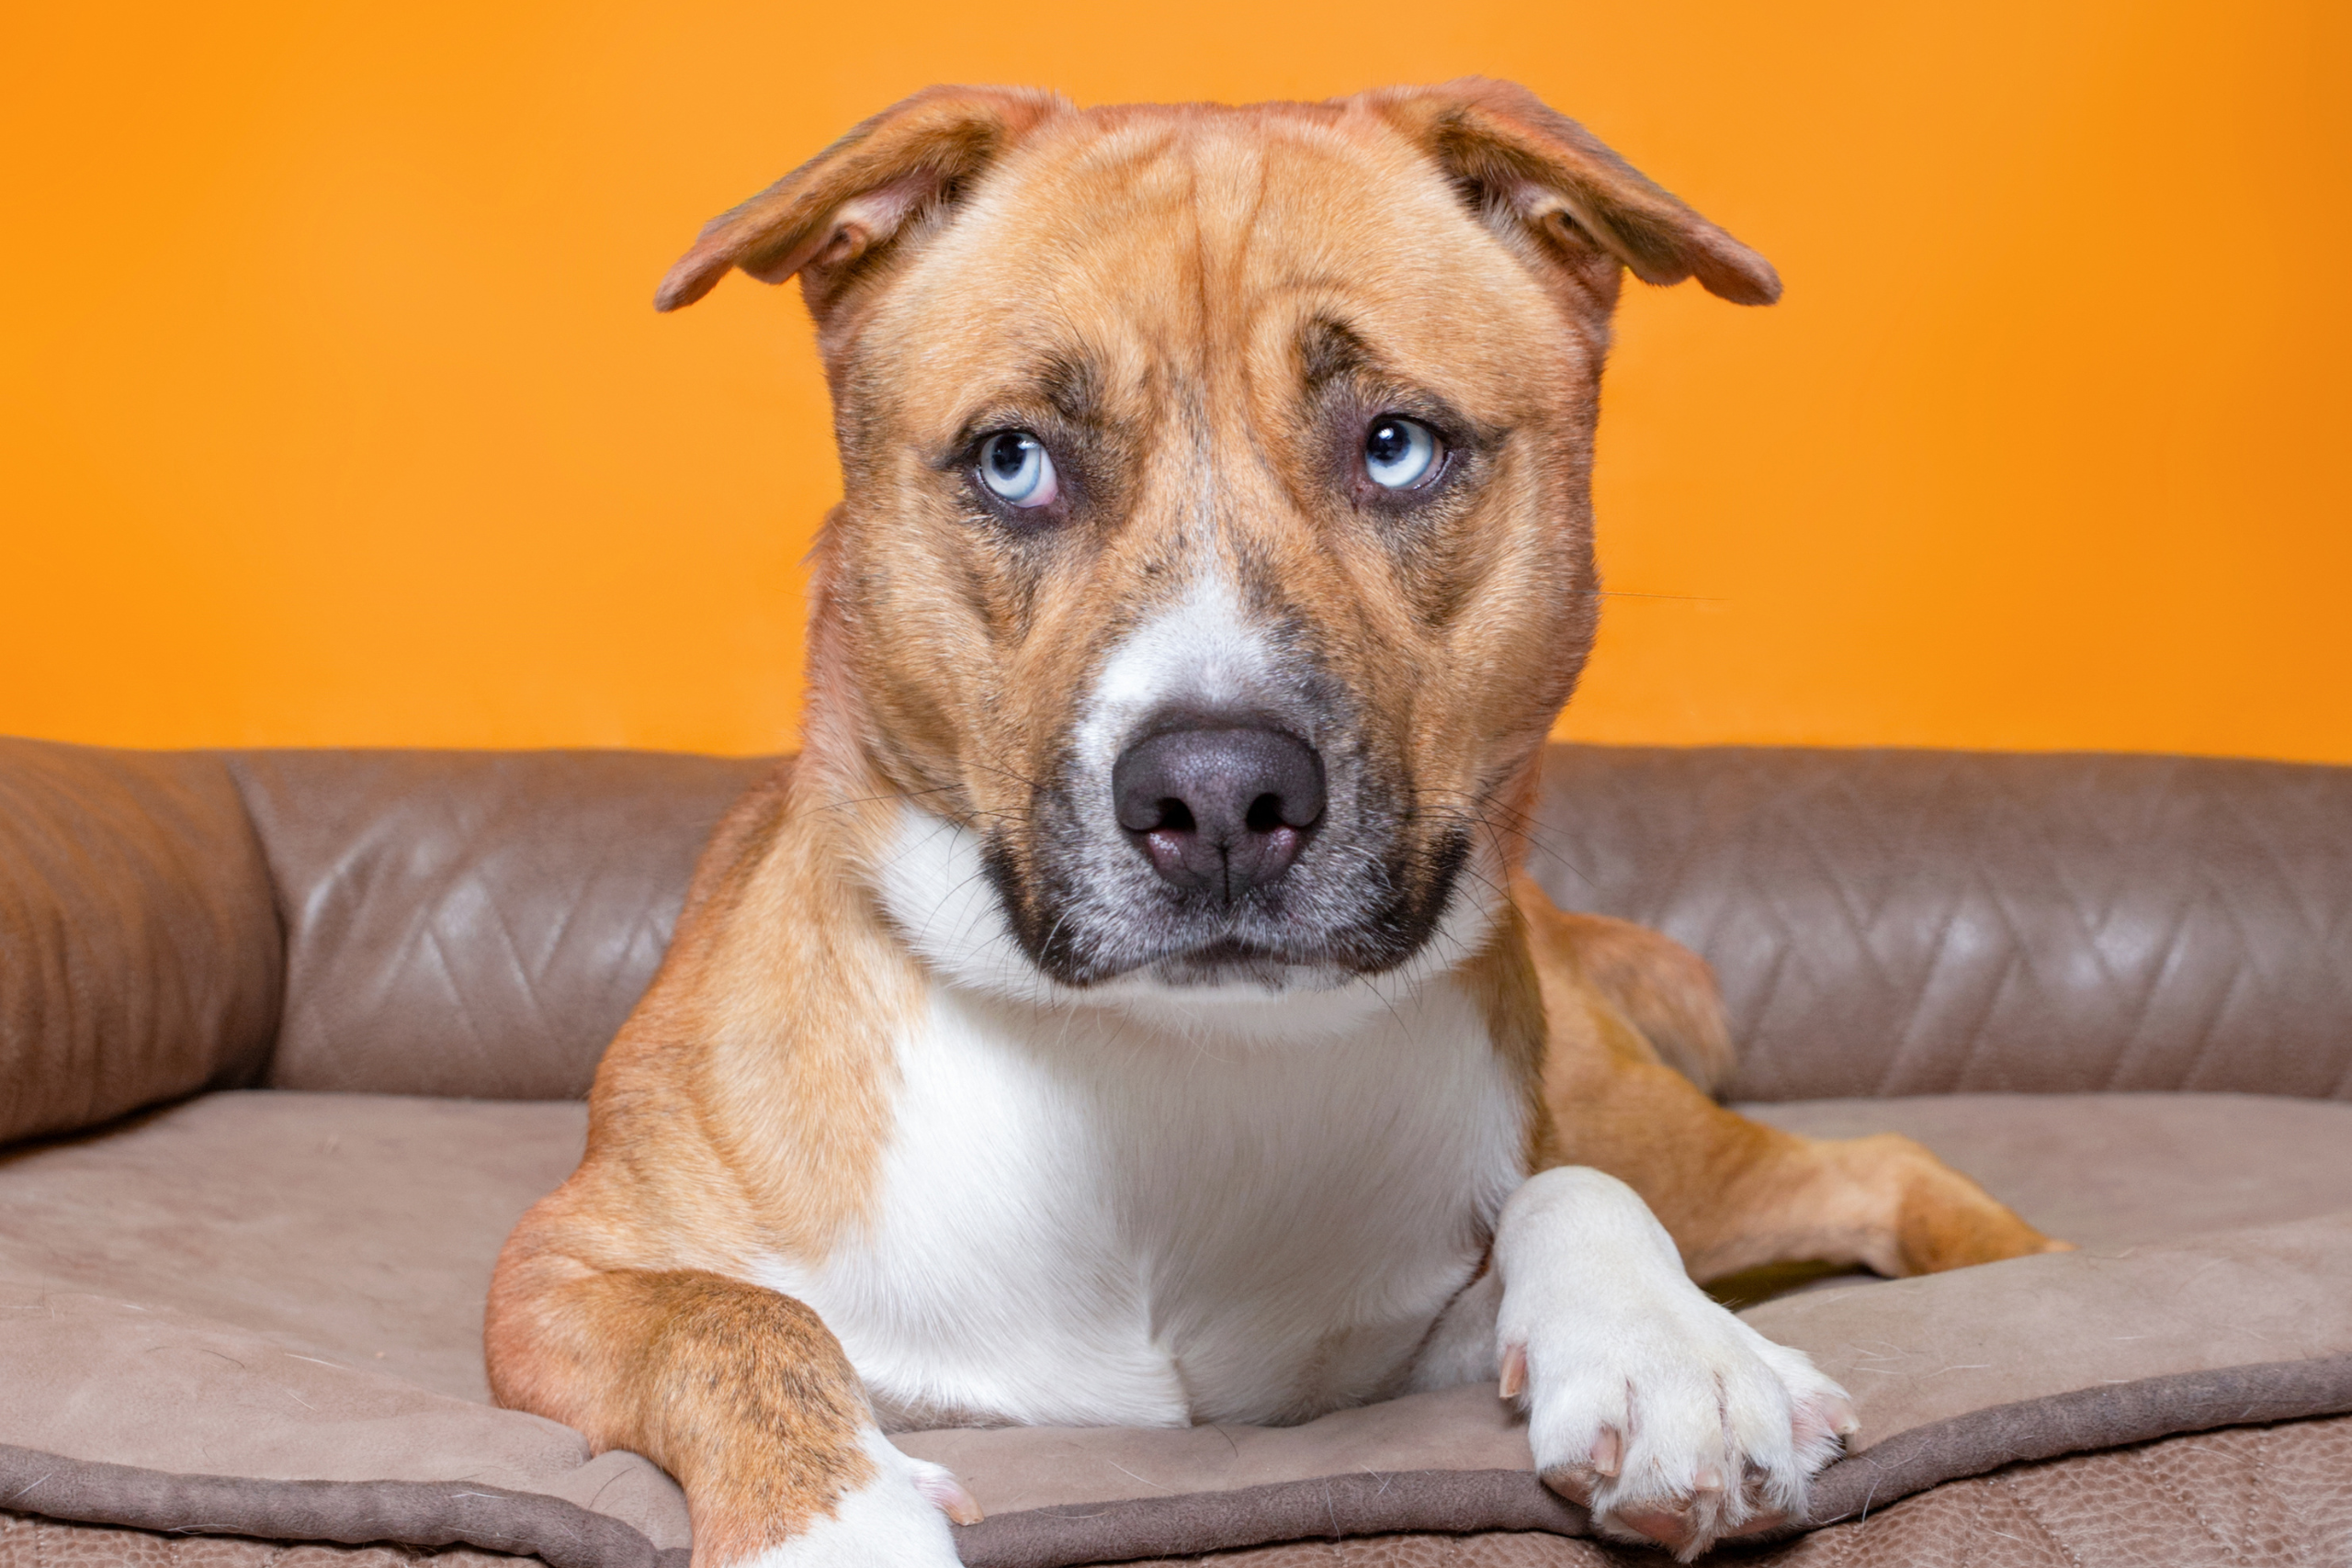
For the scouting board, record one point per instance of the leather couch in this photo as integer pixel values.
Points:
(288, 1038)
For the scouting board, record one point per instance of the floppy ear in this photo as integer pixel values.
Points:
(858, 193)
(1526, 164)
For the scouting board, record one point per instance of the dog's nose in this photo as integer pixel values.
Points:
(1220, 810)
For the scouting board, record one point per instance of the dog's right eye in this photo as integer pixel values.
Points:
(1401, 454)
(1017, 469)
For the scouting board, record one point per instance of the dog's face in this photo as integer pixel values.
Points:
(1216, 546)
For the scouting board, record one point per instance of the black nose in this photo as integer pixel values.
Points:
(1221, 810)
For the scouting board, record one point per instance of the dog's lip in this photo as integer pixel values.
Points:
(1227, 950)
(1221, 957)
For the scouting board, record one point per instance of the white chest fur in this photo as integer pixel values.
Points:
(1085, 1220)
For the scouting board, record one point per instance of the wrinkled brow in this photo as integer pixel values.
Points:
(1074, 385)
(1069, 383)
(1333, 353)
(1330, 350)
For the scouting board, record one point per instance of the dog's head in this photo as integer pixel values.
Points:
(1217, 550)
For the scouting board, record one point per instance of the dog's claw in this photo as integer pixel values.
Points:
(1608, 1452)
(1514, 1370)
(1818, 1421)
(1669, 1530)
(942, 1487)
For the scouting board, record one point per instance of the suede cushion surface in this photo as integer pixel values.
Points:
(260, 1312)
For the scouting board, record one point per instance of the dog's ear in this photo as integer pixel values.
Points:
(858, 193)
(1521, 163)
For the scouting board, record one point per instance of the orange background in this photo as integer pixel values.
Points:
(335, 412)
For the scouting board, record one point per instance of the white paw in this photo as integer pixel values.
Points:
(898, 1519)
(1673, 1421)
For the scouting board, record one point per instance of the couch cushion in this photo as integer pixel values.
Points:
(2114, 1169)
(140, 954)
(2217, 1499)
(260, 1313)
(359, 1226)
(258, 1288)
(2264, 1494)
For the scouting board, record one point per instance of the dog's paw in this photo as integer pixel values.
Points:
(897, 1518)
(1674, 1422)
(1673, 1428)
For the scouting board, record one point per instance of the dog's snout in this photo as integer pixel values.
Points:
(1220, 810)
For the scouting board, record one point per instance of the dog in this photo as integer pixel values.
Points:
(1130, 1008)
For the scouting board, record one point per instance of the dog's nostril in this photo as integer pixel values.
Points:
(1222, 810)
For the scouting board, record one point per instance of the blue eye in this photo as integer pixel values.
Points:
(1400, 453)
(1014, 466)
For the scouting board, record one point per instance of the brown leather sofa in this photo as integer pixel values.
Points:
(288, 1038)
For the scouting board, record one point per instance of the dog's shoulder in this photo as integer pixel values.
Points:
(753, 1076)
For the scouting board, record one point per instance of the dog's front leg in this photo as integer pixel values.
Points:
(1672, 1420)
(741, 1393)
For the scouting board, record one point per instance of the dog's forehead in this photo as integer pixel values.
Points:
(1152, 235)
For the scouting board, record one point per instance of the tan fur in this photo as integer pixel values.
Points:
(1735, 1194)
(1476, 239)
(1662, 990)
(740, 1111)
(688, 1368)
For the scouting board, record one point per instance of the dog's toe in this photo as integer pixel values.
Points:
(1580, 1480)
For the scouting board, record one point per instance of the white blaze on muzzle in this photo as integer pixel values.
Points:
(1202, 655)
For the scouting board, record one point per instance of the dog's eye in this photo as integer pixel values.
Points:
(1400, 453)
(1014, 466)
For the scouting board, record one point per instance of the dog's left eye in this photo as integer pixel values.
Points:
(1400, 453)
(1015, 467)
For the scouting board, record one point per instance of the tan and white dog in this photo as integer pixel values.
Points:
(1130, 1010)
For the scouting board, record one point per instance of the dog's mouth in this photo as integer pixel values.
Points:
(1088, 913)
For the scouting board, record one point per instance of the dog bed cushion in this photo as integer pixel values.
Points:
(259, 1313)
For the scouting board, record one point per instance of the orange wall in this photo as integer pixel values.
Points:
(333, 409)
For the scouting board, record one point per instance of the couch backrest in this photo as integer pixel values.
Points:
(479, 923)
(1918, 923)
(473, 923)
